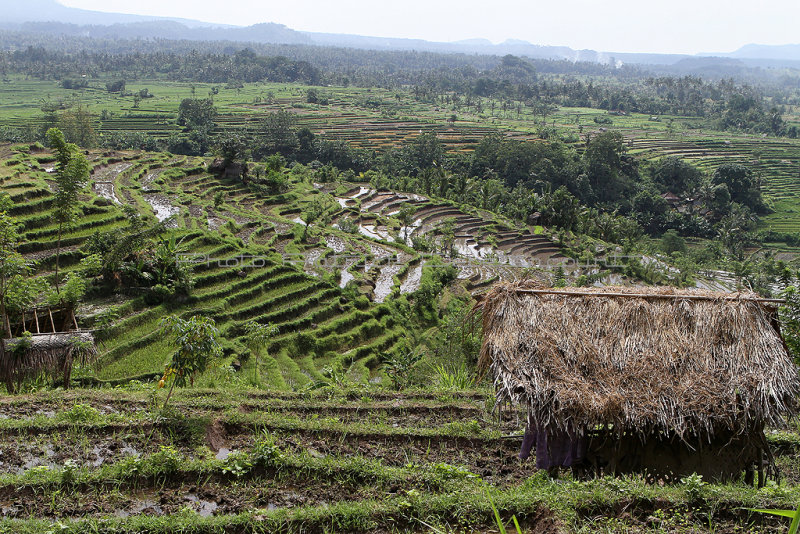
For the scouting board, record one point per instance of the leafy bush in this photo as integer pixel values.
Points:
(398, 367)
(348, 225)
(266, 452)
(237, 464)
(166, 461)
(69, 472)
(81, 413)
(693, 484)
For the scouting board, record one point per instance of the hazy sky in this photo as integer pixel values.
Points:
(677, 26)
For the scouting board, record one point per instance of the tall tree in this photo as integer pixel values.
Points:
(72, 174)
(257, 337)
(277, 135)
(197, 114)
(743, 185)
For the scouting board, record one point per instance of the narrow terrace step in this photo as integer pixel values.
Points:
(507, 242)
(429, 209)
(395, 204)
(443, 214)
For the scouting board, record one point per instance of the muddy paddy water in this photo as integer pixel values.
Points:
(162, 207)
(106, 190)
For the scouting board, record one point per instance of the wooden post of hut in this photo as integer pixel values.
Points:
(659, 381)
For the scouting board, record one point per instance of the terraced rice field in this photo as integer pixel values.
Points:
(248, 262)
(332, 461)
(378, 118)
(346, 117)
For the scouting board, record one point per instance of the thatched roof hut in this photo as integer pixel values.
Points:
(651, 371)
(44, 354)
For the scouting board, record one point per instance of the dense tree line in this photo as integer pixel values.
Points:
(241, 66)
(724, 104)
(454, 80)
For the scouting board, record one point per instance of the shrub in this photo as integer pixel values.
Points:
(81, 413)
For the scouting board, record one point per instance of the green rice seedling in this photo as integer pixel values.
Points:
(694, 485)
(498, 521)
(165, 462)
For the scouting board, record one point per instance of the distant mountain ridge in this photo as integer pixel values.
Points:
(16, 12)
(50, 17)
(789, 52)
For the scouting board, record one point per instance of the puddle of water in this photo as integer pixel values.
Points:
(9, 509)
(204, 508)
(36, 460)
(311, 266)
(139, 505)
(111, 172)
(379, 253)
(362, 192)
(128, 450)
(99, 454)
(375, 233)
(466, 250)
(162, 207)
(385, 282)
(106, 190)
(410, 231)
(223, 453)
(149, 179)
(336, 244)
(411, 283)
(214, 223)
(345, 278)
(298, 220)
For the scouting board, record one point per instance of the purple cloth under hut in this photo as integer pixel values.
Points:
(554, 447)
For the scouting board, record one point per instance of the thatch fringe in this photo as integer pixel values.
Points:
(683, 365)
(46, 354)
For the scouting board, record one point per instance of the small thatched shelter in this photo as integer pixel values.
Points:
(44, 354)
(630, 379)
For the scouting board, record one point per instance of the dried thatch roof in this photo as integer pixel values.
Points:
(46, 353)
(654, 360)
